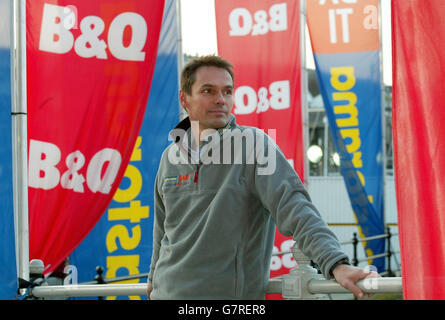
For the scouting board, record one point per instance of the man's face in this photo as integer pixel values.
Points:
(211, 101)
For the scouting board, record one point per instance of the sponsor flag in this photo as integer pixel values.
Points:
(262, 40)
(89, 70)
(418, 32)
(345, 42)
(122, 240)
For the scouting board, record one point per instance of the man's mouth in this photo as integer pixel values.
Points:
(217, 112)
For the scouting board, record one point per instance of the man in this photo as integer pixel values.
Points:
(214, 222)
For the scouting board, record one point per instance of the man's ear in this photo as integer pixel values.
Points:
(183, 100)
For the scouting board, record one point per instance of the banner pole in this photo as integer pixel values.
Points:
(383, 116)
(182, 113)
(304, 106)
(19, 139)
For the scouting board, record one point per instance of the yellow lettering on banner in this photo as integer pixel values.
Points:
(134, 213)
(135, 187)
(350, 109)
(370, 253)
(343, 80)
(137, 152)
(338, 72)
(121, 232)
(354, 135)
(129, 262)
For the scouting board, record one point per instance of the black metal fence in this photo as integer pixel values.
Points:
(390, 254)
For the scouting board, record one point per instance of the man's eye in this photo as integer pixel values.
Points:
(228, 92)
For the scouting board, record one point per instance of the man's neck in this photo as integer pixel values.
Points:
(199, 133)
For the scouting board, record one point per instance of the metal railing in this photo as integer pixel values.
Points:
(302, 282)
(90, 290)
(389, 253)
(355, 241)
(313, 287)
(310, 287)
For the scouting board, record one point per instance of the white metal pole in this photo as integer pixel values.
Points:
(182, 113)
(383, 116)
(372, 285)
(304, 106)
(90, 290)
(19, 136)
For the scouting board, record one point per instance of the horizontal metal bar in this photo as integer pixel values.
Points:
(373, 285)
(368, 239)
(90, 290)
(380, 236)
(129, 277)
(94, 290)
(381, 255)
(118, 279)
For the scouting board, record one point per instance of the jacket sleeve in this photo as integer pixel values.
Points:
(284, 196)
(158, 226)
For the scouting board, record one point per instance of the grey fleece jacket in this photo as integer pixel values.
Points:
(214, 223)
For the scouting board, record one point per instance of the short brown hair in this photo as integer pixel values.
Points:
(189, 70)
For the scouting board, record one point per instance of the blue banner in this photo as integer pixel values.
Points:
(346, 52)
(8, 272)
(121, 242)
(355, 121)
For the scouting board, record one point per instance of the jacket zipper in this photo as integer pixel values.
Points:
(196, 174)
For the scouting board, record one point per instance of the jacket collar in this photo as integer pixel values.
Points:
(185, 125)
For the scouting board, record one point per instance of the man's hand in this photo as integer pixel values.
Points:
(149, 289)
(347, 276)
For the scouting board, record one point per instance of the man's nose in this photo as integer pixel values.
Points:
(219, 99)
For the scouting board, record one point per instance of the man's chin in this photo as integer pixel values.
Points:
(218, 123)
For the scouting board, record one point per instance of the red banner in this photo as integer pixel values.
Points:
(89, 69)
(419, 143)
(262, 40)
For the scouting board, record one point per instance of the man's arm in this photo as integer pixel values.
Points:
(287, 200)
(284, 196)
(158, 233)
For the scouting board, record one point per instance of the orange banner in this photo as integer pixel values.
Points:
(343, 27)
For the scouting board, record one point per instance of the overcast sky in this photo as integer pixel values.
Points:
(4, 23)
